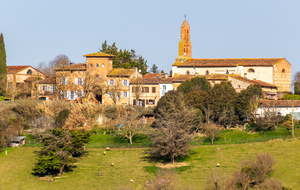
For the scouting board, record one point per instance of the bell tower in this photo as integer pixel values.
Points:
(185, 45)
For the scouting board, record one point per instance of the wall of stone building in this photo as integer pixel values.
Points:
(118, 88)
(22, 75)
(146, 96)
(238, 85)
(175, 85)
(105, 65)
(283, 79)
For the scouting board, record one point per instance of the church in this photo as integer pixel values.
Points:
(272, 71)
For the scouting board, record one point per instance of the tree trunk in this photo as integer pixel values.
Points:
(172, 159)
(212, 141)
(130, 140)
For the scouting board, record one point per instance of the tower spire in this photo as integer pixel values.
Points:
(185, 45)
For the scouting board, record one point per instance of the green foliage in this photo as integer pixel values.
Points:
(60, 148)
(291, 97)
(124, 58)
(3, 67)
(62, 117)
(195, 84)
(154, 69)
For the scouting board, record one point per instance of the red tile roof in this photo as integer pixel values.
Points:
(47, 81)
(258, 82)
(98, 54)
(230, 62)
(120, 72)
(73, 67)
(280, 103)
(154, 75)
(16, 69)
(151, 80)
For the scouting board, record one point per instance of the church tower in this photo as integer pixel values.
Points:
(185, 45)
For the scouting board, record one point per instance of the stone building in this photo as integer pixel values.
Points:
(275, 71)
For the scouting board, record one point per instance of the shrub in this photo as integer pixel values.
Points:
(61, 118)
(163, 180)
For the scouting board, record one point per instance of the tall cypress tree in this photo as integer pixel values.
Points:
(3, 67)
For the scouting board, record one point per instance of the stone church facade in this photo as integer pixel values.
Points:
(275, 71)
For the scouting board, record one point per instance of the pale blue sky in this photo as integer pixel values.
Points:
(38, 30)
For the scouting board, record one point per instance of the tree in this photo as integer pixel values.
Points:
(124, 58)
(247, 102)
(296, 82)
(60, 148)
(75, 120)
(223, 97)
(195, 84)
(211, 131)
(289, 125)
(131, 124)
(3, 67)
(154, 69)
(173, 123)
(59, 62)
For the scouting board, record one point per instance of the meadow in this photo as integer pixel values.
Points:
(94, 171)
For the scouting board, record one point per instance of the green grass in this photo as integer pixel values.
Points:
(241, 137)
(111, 139)
(15, 168)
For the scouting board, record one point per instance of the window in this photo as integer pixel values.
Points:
(207, 72)
(188, 72)
(91, 65)
(97, 65)
(227, 72)
(97, 76)
(283, 71)
(239, 86)
(45, 88)
(51, 89)
(145, 90)
(125, 82)
(29, 72)
(78, 81)
(79, 94)
(151, 102)
(126, 94)
(111, 82)
(63, 81)
(251, 71)
(153, 89)
(164, 89)
(103, 65)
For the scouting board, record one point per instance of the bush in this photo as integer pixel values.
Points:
(163, 180)
(62, 117)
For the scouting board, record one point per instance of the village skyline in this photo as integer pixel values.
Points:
(37, 32)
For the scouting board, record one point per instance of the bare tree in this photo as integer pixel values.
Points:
(212, 131)
(137, 88)
(253, 105)
(114, 89)
(49, 68)
(132, 125)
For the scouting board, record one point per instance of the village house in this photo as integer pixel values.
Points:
(45, 89)
(118, 91)
(279, 107)
(148, 90)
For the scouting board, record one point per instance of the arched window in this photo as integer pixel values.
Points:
(227, 72)
(91, 65)
(283, 71)
(103, 65)
(29, 72)
(188, 72)
(97, 65)
(251, 71)
(207, 72)
(238, 86)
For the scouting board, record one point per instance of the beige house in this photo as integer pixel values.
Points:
(147, 91)
(275, 71)
(118, 91)
(45, 89)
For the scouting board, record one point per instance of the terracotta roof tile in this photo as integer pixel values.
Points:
(30, 79)
(98, 54)
(47, 81)
(280, 103)
(154, 75)
(258, 82)
(120, 72)
(15, 69)
(230, 62)
(73, 67)
(151, 80)
(182, 78)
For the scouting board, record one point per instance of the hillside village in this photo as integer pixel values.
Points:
(119, 127)
(97, 81)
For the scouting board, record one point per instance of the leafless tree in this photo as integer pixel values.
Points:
(49, 69)
(212, 131)
(131, 124)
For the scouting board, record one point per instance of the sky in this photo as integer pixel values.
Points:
(38, 30)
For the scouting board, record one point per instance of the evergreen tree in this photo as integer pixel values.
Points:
(154, 69)
(124, 58)
(3, 68)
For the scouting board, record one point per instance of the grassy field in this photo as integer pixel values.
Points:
(15, 168)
